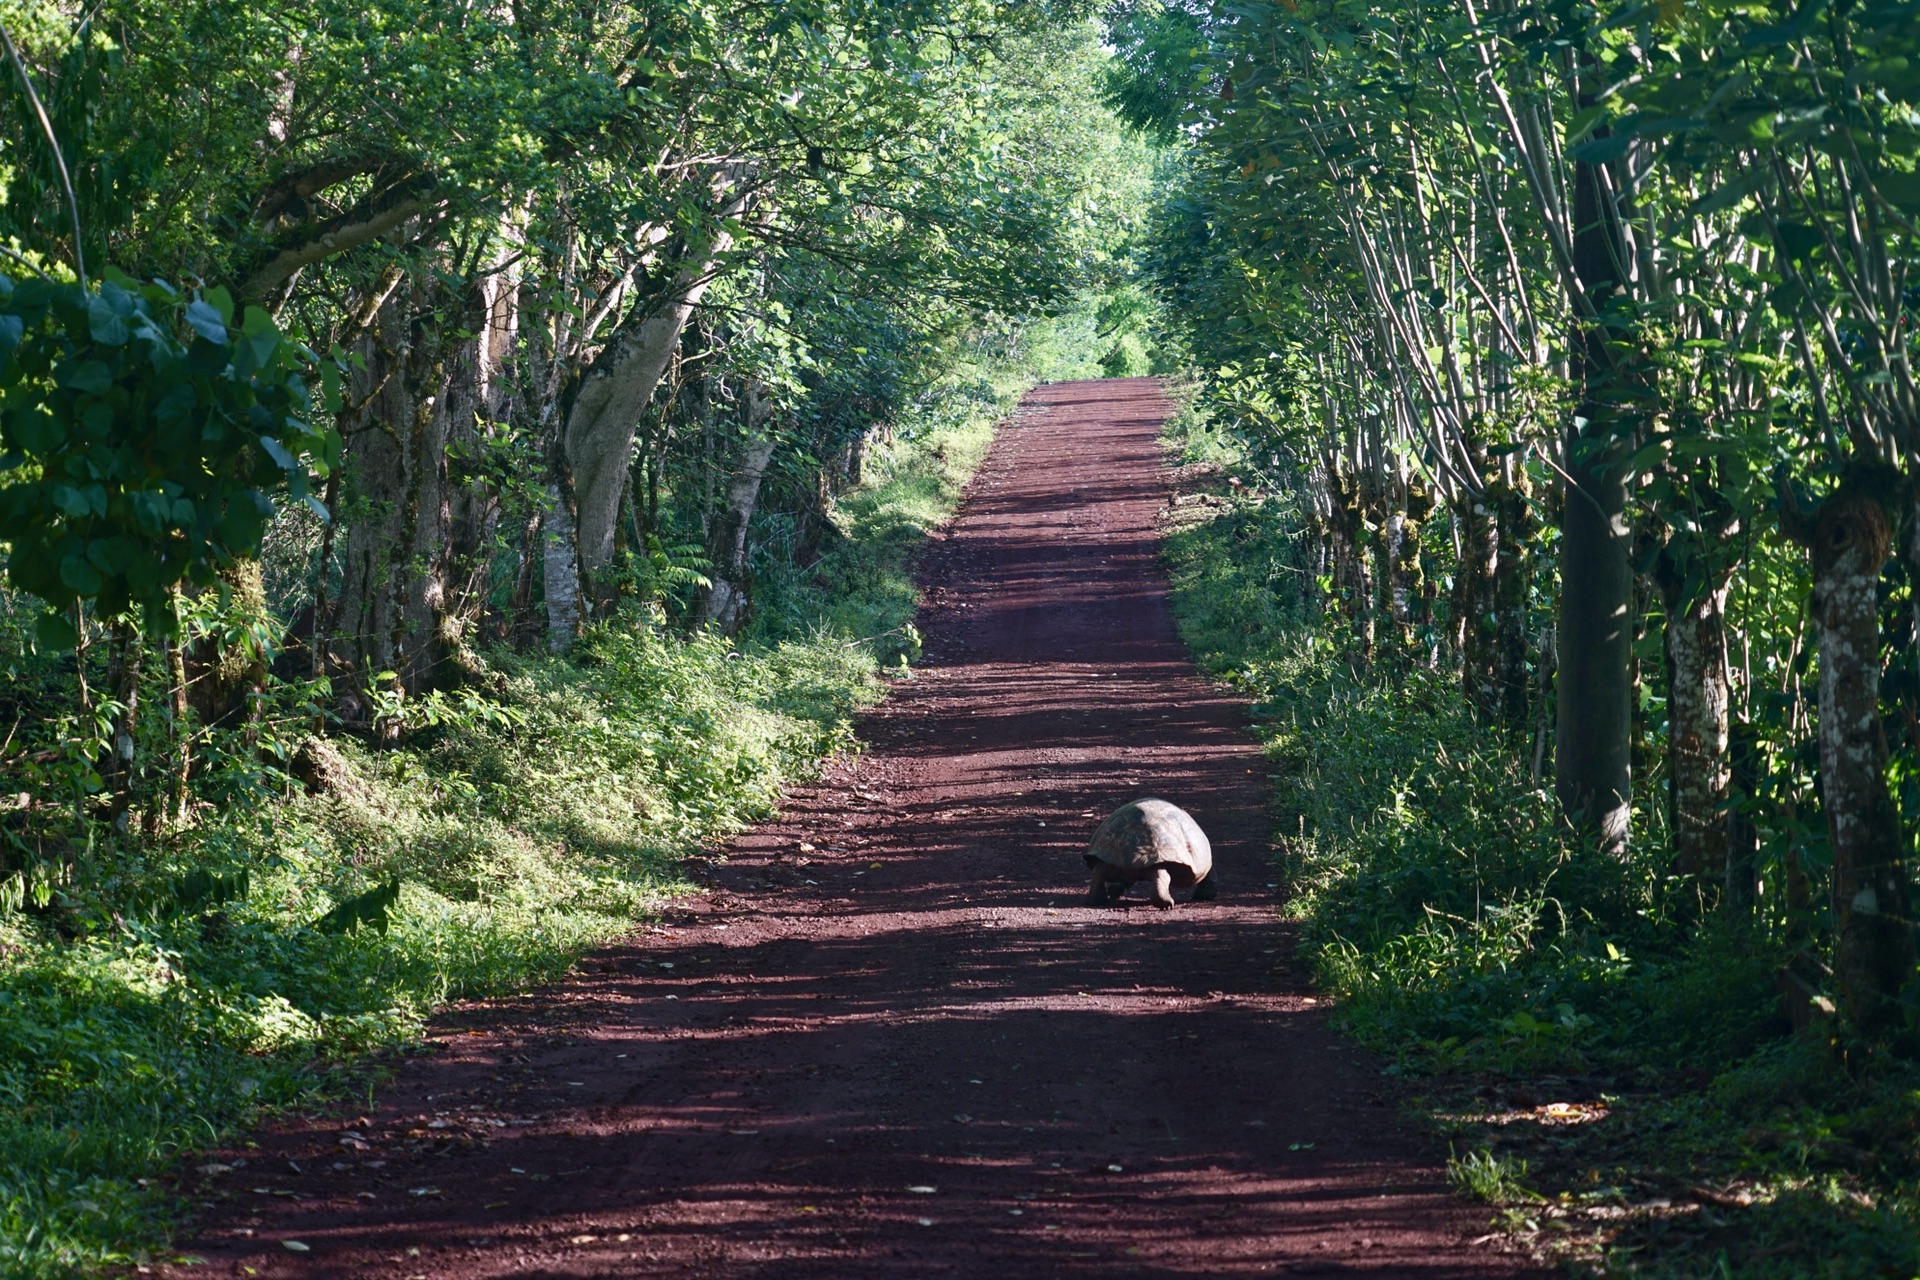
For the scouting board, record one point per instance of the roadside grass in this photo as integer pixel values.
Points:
(1620, 1085)
(145, 1014)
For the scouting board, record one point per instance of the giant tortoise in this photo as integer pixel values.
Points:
(1154, 842)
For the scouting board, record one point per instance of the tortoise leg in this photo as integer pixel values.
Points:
(1097, 886)
(1116, 888)
(1162, 888)
(1206, 890)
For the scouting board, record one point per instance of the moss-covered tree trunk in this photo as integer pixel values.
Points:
(1475, 608)
(1347, 556)
(387, 621)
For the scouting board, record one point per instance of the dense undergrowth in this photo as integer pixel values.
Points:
(162, 999)
(1622, 1084)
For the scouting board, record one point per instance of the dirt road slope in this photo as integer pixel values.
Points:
(891, 1041)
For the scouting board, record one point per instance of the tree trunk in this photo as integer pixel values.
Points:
(182, 772)
(726, 605)
(562, 562)
(853, 466)
(1743, 834)
(1408, 590)
(602, 412)
(392, 590)
(223, 683)
(1475, 603)
(1874, 949)
(1698, 777)
(1392, 605)
(1348, 556)
(1593, 734)
(522, 623)
(476, 396)
(1513, 521)
(125, 658)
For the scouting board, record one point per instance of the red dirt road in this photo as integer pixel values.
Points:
(891, 1041)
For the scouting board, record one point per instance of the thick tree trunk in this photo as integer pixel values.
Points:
(1874, 950)
(1593, 735)
(605, 412)
(1392, 606)
(223, 684)
(602, 411)
(726, 604)
(1319, 535)
(596, 443)
(853, 464)
(392, 593)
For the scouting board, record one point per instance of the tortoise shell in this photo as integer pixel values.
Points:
(1150, 833)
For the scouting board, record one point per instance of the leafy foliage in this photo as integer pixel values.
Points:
(144, 438)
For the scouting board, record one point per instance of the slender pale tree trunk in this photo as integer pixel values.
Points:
(125, 659)
(1474, 604)
(604, 412)
(726, 605)
(182, 770)
(561, 551)
(1743, 834)
(596, 444)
